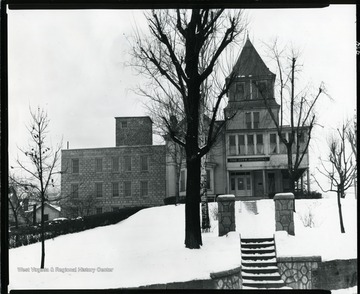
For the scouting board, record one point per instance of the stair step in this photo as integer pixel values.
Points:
(259, 264)
(258, 257)
(258, 251)
(256, 240)
(257, 245)
(260, 270)
(263, 284)
(262, 277)
(268, 288)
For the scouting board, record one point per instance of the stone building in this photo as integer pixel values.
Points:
(249, 160)
(132, 173)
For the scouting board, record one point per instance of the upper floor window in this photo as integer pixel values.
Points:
(75, 190)
(259, 144)
(250, 144)
(232, 145)
(144, 188)
(241, 142)
(75, 165)
(252, 120)
(273, 143)
(259, 89)
(98, 165)
(127, 163)
(182, 181)
(239, 91)
(99, 210)
(256, 120)
(115, 164)
(144, 162)
(208, 179)
(127, 188)
(98, 189)
(115, 189)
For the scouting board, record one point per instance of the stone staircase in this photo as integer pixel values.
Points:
(258, 264)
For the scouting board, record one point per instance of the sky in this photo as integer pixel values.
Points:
(74, 64)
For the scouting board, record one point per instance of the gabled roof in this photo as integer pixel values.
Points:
(250, 62)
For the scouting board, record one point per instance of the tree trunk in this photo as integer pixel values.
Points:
(192, 208)
(42, 234)
(340, 212)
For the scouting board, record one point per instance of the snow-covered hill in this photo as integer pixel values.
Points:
(148, 247)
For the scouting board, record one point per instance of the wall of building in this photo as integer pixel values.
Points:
(51, 212)
(88, 176)
(131, 131)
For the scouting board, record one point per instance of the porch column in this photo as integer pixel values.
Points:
(264, 182)
(308, 179)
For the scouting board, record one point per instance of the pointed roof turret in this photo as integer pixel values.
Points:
(250, 62)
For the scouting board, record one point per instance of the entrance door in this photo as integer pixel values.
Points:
(271, 183)
(240, 184)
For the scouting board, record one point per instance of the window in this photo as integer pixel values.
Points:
(250, 144)
(127, 188)
(208, 179)
(46, 217)
(259, 144)
(144, 163)
(75, 166)
(273, 144)
(115, 164)
(256, 116)
(248, 120)
(98, 165)
(75, 190)
(124, 124)
(283, 148)
(115, 189)
(240, 91)
(259, 89)
(115, 208)
(182, 181)
(98, 189)
(98, 210)
(232, 145)
(144, 188)
(241, 140)
(127, 160)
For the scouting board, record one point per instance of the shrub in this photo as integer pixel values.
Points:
(172, 200)
(307, 195)
(32, 234)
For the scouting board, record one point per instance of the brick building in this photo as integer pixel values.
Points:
(132, 173)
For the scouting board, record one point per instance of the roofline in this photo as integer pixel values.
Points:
(115, 147)
(144, 116)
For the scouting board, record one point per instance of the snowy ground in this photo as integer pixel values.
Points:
(148, 247)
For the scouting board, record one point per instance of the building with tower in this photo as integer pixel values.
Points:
(249, 160)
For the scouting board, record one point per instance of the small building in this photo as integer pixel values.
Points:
(50, 212)
(96, 180)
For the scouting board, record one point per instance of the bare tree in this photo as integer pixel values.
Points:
(171, 58)
(296, 115)
(18, 200)
(40, 168)
(340, 174)
(352, 138)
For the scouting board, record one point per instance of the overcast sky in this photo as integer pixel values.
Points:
(73, 64)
